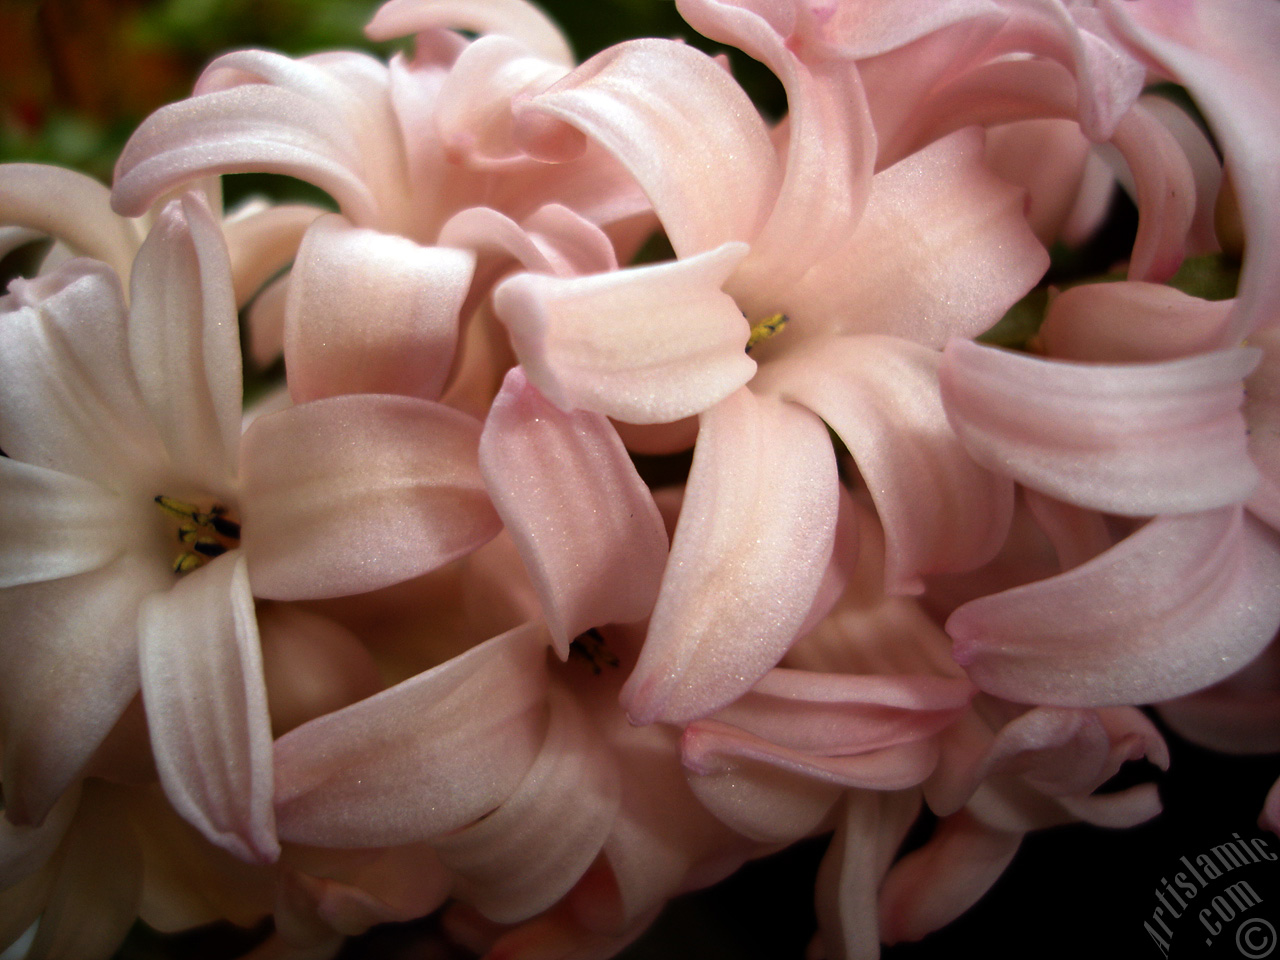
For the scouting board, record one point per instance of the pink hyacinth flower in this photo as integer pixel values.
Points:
(139, 518)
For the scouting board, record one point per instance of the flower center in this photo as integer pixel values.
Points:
(589, 646)
(765, 329)
(204, 534)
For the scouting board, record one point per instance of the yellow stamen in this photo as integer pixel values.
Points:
(765, 329)
(208, 533)
(186, 562)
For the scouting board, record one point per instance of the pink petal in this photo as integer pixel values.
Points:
(657, 801)
(941, 511)
(265, 321)
(644, 345)
(425, 757)
(943, 249)
(262, 242)
(1047, 158)
(395, 885)
(1239, 715)
(206, 703)
(1224, 53)
(932, 886)
(1262, 413)
(680, 125)
(69, 207)
(311, 665)
(326, 120)
(27, 849)
(357, 492)
(1205, 166)
(840, 714)
(586, 525)
(371, 313)
(1132, 322)
(830, 142)
(184, 341)
(508, 18)
(716, 748)
(761, 793)
(531, 850)
(865, 28)
(1077, 535)
(553, 239)
(474, 118)
(94, 897)
(870, 829)
(78, 633)
(1270, 817)
(68, 396)
(753, 542)
(1178, 605)
(56, 525)
(1133, 439)
(1165, 189)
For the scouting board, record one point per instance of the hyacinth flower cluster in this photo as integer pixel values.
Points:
(413, 633)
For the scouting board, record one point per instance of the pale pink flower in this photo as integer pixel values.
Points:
(869, 718)
(102, 412)
(401, 147)
(1159, 413)
(482, 755)
(872, 275)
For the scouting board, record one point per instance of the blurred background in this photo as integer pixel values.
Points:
(76, 77)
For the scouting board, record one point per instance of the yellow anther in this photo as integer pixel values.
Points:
(765, 329)
(179, 509)
(208, 533)
(186, 562)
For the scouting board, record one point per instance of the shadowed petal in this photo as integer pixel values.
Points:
(1132, 322)
(206, 704)
(427, 756)
(932, 886)
(1134, 439)
(586, 524)
(1223, 52)
(749, 554)
(523, 857)
(1178, 605)
(941, 511)
(262, 241)
(75, 634)
(868, 834)
(352, 493)
(94, 897)
(368, 312)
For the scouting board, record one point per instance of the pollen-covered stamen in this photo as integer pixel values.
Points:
(589, 646)
(209, 533)
(765, 329)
